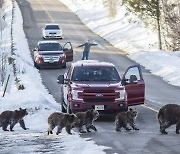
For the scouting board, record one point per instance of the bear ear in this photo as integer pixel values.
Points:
(130, 109)
(20, 108)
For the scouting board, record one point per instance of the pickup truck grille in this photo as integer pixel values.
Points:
(97, 100)
(52, 33)
(53, 58)
(100, 95)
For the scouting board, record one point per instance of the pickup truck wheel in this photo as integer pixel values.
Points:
(35, 65)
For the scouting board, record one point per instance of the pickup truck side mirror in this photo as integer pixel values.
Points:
(35, 49)
(124, 81)
(60, 79)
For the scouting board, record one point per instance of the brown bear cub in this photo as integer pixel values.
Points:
(61, 120)
(87, 118)
(169, 115)
(124, 118)
(12, 118)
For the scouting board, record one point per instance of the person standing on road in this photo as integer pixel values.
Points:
(87, 47)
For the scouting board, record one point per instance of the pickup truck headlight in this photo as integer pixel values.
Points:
(122, 94)
(61, 55)
(76, 95)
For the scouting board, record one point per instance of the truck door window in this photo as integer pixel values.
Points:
(67, 46)
(132, 76)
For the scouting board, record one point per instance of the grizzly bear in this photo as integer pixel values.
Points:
(168, 115)
(87, 118)
(61, 120)
(12, 118)
(124, 118)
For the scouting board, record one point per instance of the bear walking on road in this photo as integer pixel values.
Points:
(87, 118)
(61, 120)
(124, 118)
(168, 115)
(12, 118)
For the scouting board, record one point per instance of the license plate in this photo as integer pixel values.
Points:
(51, 61)
(99, 107)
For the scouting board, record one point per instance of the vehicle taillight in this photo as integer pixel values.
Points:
(76, 95)
(121, 94)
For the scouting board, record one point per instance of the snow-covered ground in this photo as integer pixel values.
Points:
(139, 42)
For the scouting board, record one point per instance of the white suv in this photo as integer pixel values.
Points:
(52, 30)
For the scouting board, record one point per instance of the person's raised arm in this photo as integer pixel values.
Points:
(80, 45)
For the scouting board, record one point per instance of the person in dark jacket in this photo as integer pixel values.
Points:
(87, 47)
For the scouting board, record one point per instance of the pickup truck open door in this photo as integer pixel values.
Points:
(134, 85)
(68, 50)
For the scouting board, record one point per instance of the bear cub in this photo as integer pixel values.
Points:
(168, 115)
(124, 118)
(61, 120)
(12, 118)
(87, 118)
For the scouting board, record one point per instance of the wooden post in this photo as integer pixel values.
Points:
(6, 85)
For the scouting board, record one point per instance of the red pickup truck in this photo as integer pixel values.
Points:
(98, 85)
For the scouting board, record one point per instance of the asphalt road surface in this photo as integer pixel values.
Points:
(36, 13)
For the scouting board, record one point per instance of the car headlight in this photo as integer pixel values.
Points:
(36, 55)
(121, 94)
(46, 33)
(76, 95)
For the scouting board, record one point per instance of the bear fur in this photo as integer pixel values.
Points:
(124, 118)
(12, 118)
(61, 120)
(168, 115)
(87, 118)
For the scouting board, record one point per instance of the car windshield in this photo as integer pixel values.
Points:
(49, 27)
(95, 74)
(49, 47)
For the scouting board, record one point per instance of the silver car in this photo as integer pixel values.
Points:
(52, 30)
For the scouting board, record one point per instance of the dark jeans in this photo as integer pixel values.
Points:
(85, 55)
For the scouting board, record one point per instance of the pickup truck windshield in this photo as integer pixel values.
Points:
(95, 74)
(49, 47)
